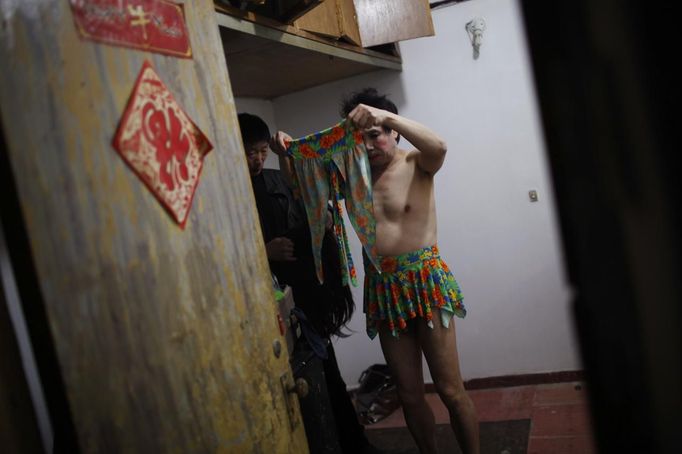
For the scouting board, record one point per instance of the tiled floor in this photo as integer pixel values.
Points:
(559, 414)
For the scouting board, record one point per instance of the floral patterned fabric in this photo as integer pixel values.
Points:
(331, 165)
(407, 286)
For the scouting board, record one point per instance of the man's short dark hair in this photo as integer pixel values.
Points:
(253, 129)
(368, 96)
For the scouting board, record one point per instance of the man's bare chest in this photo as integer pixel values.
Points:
(398, 195)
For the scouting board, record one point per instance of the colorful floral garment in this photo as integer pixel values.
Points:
(332, 165)
(410, 285)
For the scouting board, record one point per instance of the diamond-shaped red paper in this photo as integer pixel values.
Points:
(161, 144)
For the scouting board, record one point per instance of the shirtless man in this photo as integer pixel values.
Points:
(416, 315)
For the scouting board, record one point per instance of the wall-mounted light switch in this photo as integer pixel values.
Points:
(533, 195)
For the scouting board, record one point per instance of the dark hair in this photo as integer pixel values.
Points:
(328, 306)
(369, 96)
(253, 129)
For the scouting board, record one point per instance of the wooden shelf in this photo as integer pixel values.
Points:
(267, 59)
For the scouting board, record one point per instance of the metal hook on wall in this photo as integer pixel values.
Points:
(475, 28)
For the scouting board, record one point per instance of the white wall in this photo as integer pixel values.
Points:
(503, 249)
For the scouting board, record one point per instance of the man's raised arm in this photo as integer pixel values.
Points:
(430, 146)
(279, 144)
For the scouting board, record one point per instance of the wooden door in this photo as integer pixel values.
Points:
(390, 21)
(163, 337)
(332, 18)
(369, 23)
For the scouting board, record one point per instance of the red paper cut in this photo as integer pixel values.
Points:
(154, 25)
(161, 144)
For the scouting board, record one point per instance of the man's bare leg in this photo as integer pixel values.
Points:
(404, 358)
(440, 349)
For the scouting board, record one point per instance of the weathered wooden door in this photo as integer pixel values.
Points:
(163, 336)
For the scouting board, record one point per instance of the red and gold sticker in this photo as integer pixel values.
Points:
(152, 25)
(161, 144)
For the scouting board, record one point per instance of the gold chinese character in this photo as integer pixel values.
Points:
(140, 18)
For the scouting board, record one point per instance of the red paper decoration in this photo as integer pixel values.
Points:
(161, 144)
(153, 25)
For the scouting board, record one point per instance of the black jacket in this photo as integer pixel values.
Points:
(328, 305)
(279, 191)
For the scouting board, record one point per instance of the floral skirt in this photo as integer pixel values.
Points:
(410, 285)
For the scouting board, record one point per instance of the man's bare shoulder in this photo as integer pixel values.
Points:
(411, 158)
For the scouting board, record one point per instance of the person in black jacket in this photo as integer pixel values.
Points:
(328, 306)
